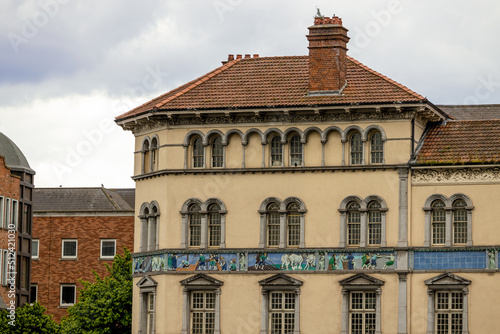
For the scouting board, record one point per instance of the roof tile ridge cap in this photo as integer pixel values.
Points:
(408, 90)
(199, 81)
(116, 206)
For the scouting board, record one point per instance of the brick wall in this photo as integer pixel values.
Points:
(49, 271)
(9, 188)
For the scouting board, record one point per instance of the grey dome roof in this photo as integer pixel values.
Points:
(14, 158)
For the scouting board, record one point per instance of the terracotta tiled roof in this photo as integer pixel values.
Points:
(461, 142)
(275, 82)
(472, 112)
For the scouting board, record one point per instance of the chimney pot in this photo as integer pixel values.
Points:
(247, 56)
(327, 55)
(230, 57)
(238, 56)
(256, 56)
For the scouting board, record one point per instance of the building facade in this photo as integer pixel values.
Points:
(16, 191)
(311, 194)
(76, 231)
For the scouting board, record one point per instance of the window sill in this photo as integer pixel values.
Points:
(106, 258)
(68, 259)
(35, 259)
(65, 306)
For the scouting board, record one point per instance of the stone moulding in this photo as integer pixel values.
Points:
(451, 175)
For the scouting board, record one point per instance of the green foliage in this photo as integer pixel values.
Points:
(105, 306)
(318, 14)
(28, 319)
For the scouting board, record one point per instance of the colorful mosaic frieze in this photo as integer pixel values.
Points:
(264, 261)
(429, 260)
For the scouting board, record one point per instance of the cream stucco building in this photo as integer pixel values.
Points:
(311, 194)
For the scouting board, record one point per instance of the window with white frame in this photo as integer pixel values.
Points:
(33, 293)
(217, 152)
(273, 225)
(68, 294)
(147, 304)
(214, 225)
(356, 149)
(203, 223)
(198, 153)
(276, 151)
(280, 305)
(447, 304)
(154, 154)
(459, 222)
(374, 223)
(7, 213)
(295, 151)
(35, 243)
(376, 148)
(108, 248)
(5, 267)
(194, 225)
(15, 213)
(201, 309)
(293, 224)
(353, 224)
(438, 223)
(2, 212)
(146, 157)
(69, 248)
(150, 313)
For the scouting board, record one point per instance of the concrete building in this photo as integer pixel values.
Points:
(311, 194)
(16, 187)
(76, 231)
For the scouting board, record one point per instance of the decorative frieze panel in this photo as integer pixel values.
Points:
(453, 259)
(452, 175)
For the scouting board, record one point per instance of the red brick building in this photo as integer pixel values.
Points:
(76, 230)
(16, 185)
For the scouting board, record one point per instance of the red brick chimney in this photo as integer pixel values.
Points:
(327, 56)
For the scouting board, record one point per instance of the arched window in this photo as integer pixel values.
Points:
(356, 149)
(438, 223)
(295, 151)
(214, 225)
(154, 154)
(276, 151)
(146, 163)
(198, 153)
(194, 225)
(149, 215)
(353, 224)
(293, 224)
(374, 223)
(217, 152)
(273, 225)
(459, 222)
(376, 148)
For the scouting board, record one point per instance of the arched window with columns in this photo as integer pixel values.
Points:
(276, 151)
(376, 147)
(149, 216)
(217, 152)
(296, 154)
(198, 153)
(356, 146)
(194, 225)
(146, 158)
(154, 154)
(203, 224)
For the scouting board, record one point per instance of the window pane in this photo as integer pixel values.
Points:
(197, 323)
(197, 153)
(293, 228)
(353, 227)
(456, 323)
(374, 227)
(438, 223)
(276, 323)
(356, 323)
(289, 322)
(34, 248)
(217, 155)
(69, 248)
(442, 325)
(356, 300)
(370, 299)
(108, 248)
(295, 151)
(33, 293)
(276, 301)
(68, 295)
(214, 225)
(377, 148)
(289, 301)
(460, 226)
(442, 299)
(273, 229)
(276, 151)
(356, 149)
(194, 225)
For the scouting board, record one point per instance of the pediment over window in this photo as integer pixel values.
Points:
(147, 282)
(447, 279)
(280, 280)
(201, 280)
(360, 280)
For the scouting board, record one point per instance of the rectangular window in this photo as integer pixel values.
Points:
(438, 227)
(214, 229)
(374, 227)
(460, 227)
(7, 213)
(353, 228)
(362, 315)
(449, 312)
(69, 248)
(25, 278)
(33, 293)
(273, 229)
(34, 248)
(4, 267)
(151, 313)
(282, 312)
(276, 151)
(108, 248)
(2, 212)
(202, 312)
(68, 294)
(293, 229)
(15, 213)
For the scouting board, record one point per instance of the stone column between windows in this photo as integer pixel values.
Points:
(185, 157)
(428, 227)
(144, 234)
(223, 229)
(263, 219)
(363, 234)
(185, 311)
(205, 155)
(263, 155)
(282, 154)
(469, 227)
(153, 322)
(378, 312)
(465, 311)
(204, 230)
(343, 152)
(343, 224)
(303, 154)
(345, 312)
(224, 155)
(403, 207)
(402, 307)
(296, 317)
(449, 227)
(151, 232)
(151, 154)
(383, 241)
(322, 153)
(143, 162)
(184, 232)
(363, 147)
(157, 224)
(302, 242)
(142, 313)
(243, 161)
(217, 312)
(264, 316)
(430, 311)
(283, 229)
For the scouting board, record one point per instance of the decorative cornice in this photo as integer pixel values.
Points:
(451, 175)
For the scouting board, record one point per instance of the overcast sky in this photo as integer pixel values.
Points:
(69, 67)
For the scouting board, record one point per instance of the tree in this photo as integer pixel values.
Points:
(105, 306)
(28, 319)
